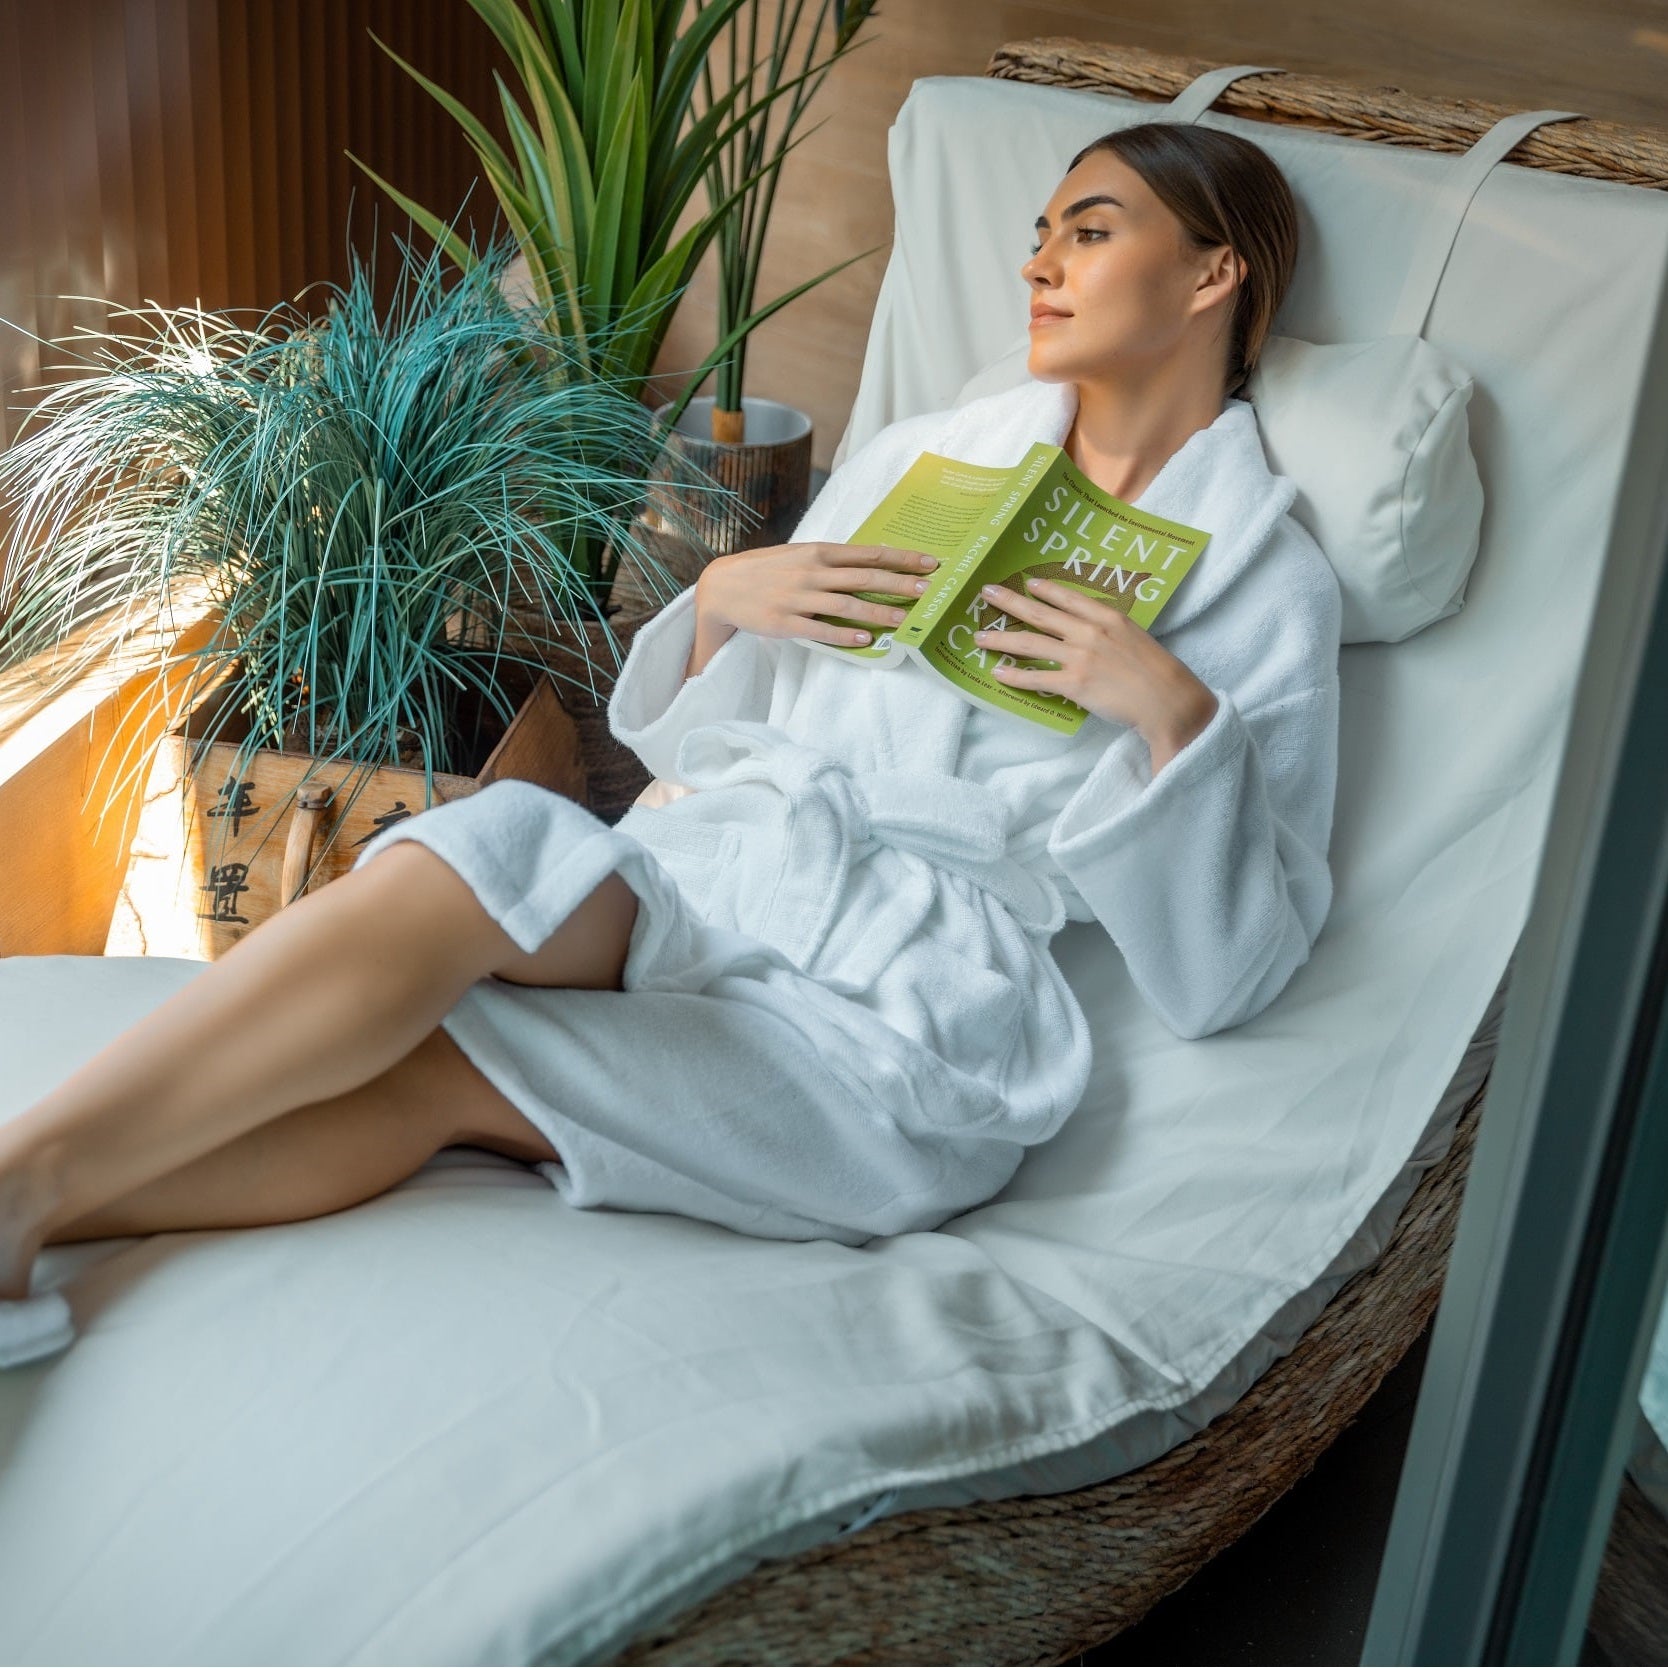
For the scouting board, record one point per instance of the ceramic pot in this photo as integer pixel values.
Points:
(771, 470)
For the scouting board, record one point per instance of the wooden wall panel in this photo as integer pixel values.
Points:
(180, 151)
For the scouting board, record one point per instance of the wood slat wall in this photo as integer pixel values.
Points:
(185, 151)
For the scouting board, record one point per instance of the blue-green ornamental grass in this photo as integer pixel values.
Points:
(364, 492)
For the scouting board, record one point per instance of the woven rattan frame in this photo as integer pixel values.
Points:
(1044, 1578)
(1629, 1617)
(1388, 115)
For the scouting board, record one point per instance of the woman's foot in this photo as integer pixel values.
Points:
(25, 1202)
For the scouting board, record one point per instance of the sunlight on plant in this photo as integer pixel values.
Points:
(366, 495)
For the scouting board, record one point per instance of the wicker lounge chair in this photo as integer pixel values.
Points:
(1042, 1578)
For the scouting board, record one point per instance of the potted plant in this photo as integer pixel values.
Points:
(613, 120)
(358, 494)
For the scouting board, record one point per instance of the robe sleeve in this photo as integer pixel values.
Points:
(653, 707)
(1212, 877)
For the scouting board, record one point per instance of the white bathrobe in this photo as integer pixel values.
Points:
(841, 1016)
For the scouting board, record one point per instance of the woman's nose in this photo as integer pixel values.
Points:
(1039, 269)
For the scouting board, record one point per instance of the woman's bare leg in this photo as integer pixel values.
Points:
(327, 1156)
(329, 994)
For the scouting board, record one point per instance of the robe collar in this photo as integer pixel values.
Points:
(1218, 479)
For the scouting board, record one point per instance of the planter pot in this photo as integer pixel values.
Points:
(584, 659)
(771, 470)
(216, 851)
(614, 775)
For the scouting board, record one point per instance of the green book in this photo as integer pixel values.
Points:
(1042, 517)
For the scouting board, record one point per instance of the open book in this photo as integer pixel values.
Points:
(1042, 516)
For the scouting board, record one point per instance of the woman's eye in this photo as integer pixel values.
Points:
(1082, 231)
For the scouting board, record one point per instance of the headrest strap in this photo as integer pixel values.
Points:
(1201, 93)
(1436, 244)
(1430, 257)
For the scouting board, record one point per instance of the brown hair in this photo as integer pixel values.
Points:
(1223, 190)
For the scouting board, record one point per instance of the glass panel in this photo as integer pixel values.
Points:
(1528, 1411)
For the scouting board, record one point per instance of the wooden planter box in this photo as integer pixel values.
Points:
(215, 853)
(614, 775)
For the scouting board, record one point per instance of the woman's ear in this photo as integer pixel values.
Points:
(1221, 274)
(1225, 268)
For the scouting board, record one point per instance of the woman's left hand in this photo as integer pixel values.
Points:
(1106, 663)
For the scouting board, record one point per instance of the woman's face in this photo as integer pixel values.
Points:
(1118, 287)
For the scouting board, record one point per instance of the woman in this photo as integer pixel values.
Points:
(810, 992)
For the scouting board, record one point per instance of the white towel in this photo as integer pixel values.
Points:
(34, 1327)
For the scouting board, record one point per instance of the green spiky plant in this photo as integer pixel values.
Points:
(747, 172)
(362, 493)
(613, 122)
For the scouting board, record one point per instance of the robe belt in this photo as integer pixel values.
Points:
(839, 813)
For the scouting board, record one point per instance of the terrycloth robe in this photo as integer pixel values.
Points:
(841, 1016)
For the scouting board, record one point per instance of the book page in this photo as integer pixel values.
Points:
(931, 523)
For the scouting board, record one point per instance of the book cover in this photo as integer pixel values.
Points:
(1044, 517)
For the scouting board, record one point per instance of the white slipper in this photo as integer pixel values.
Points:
(33, 1327)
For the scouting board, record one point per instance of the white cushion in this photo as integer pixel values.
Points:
(1375, 436)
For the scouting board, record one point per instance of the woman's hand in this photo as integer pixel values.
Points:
(1106, 663)
(778, 591)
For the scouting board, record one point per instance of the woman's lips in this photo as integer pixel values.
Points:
(1047, 318)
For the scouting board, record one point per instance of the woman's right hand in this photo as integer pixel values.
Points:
(778, 591)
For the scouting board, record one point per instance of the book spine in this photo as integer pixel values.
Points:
(1054, 469)
(1031, 469)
